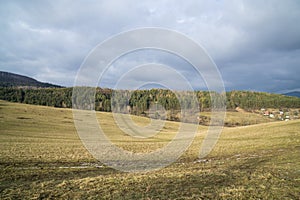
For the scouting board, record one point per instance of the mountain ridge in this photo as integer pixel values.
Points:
(8, 79)
(293, 94)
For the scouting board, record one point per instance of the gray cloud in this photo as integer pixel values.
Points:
(129, 64)
(255, 44)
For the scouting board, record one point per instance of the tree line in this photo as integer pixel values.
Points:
(140, 101)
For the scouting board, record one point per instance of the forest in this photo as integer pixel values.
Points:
(140, 101)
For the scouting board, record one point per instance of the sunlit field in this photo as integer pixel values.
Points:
(42, 157)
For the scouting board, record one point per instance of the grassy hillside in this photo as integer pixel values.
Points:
(41, 156)
(234, 118)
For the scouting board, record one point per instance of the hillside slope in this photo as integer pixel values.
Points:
(8, 79)
(42, 157)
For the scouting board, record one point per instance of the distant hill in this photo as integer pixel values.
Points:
(293, 94)
(8, 79)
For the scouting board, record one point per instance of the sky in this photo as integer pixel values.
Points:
(255, 44)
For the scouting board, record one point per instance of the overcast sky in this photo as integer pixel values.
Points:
(255, 44)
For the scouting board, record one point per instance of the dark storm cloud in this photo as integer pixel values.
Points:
(255, 44)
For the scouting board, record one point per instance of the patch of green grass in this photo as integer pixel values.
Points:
(41, 157)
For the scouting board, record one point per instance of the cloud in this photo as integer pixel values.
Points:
(255, 44)
(150, 61)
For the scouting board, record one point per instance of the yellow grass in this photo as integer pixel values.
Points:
(41, 157)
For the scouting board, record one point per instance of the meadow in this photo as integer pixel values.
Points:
(42, 157)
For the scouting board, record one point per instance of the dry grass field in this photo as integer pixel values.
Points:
(42, 157)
